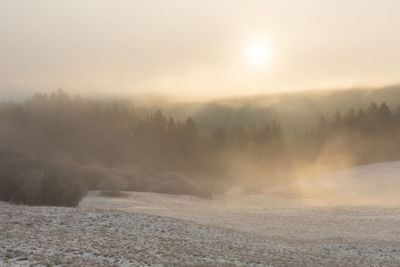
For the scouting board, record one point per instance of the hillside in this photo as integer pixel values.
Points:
(272, 227)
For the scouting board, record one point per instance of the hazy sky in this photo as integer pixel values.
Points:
(196, 47)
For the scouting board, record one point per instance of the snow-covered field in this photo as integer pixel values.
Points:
(351, 217)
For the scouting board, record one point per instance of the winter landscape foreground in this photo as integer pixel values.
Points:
(350, 217)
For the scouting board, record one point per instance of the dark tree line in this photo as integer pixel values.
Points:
(113, 134)
(364, 136)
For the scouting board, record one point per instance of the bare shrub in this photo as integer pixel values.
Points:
(175, 183)
(38, 181)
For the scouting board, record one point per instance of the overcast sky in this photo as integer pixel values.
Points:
(183, 47)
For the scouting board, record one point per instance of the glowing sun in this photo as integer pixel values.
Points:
(257, 52)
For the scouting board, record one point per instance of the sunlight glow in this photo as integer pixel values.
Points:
(257, 52)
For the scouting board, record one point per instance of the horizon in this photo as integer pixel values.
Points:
(4, 96)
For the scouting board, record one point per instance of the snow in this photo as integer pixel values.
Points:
(350, 217)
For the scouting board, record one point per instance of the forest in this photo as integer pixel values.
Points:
(56, 146)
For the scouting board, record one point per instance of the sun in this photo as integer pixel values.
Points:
(257, 52)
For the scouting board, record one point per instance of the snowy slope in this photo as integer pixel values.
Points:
(303, 237)
(315, 221)
(374, 184)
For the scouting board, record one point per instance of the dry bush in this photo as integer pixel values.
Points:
(38, 181)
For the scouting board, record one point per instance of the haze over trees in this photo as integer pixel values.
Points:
(56, 146)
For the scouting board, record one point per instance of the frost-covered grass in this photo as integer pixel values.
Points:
(254, 230)
(84, 237)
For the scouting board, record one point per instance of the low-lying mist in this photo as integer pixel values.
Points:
(204, 149)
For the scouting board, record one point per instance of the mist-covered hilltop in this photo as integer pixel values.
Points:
(296, 111)
(200, 148)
